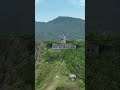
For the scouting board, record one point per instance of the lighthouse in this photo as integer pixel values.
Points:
(63, 39)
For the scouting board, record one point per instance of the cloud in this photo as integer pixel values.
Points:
(78, 2)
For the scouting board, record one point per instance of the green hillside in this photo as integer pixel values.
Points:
(52, 68)
(73, 28)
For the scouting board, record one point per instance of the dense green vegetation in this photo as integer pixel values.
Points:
(50, 63)
(102, 72)
(17, 62)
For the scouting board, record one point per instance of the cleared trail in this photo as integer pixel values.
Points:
(60, 80)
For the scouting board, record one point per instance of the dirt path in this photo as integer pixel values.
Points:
(61, 81)
(53, 85)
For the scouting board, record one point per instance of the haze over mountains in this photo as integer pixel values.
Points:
(73, 28)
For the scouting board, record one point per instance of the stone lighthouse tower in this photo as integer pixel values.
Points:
(63, 39)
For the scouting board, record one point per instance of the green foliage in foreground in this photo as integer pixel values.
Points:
(102, 72)
(64, 62)
(17, 62)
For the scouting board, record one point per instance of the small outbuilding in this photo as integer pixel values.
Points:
(72, 77)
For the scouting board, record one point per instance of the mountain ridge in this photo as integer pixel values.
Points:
(73, 28)
(59, 17)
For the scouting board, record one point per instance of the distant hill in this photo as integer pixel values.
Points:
(73, 28)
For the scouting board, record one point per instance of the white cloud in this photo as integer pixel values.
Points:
(78, 2)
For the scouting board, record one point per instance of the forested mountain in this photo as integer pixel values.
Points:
(73, 28)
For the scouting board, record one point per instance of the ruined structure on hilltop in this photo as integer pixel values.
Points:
(63, 44)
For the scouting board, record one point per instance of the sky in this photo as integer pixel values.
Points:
(46, 10)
